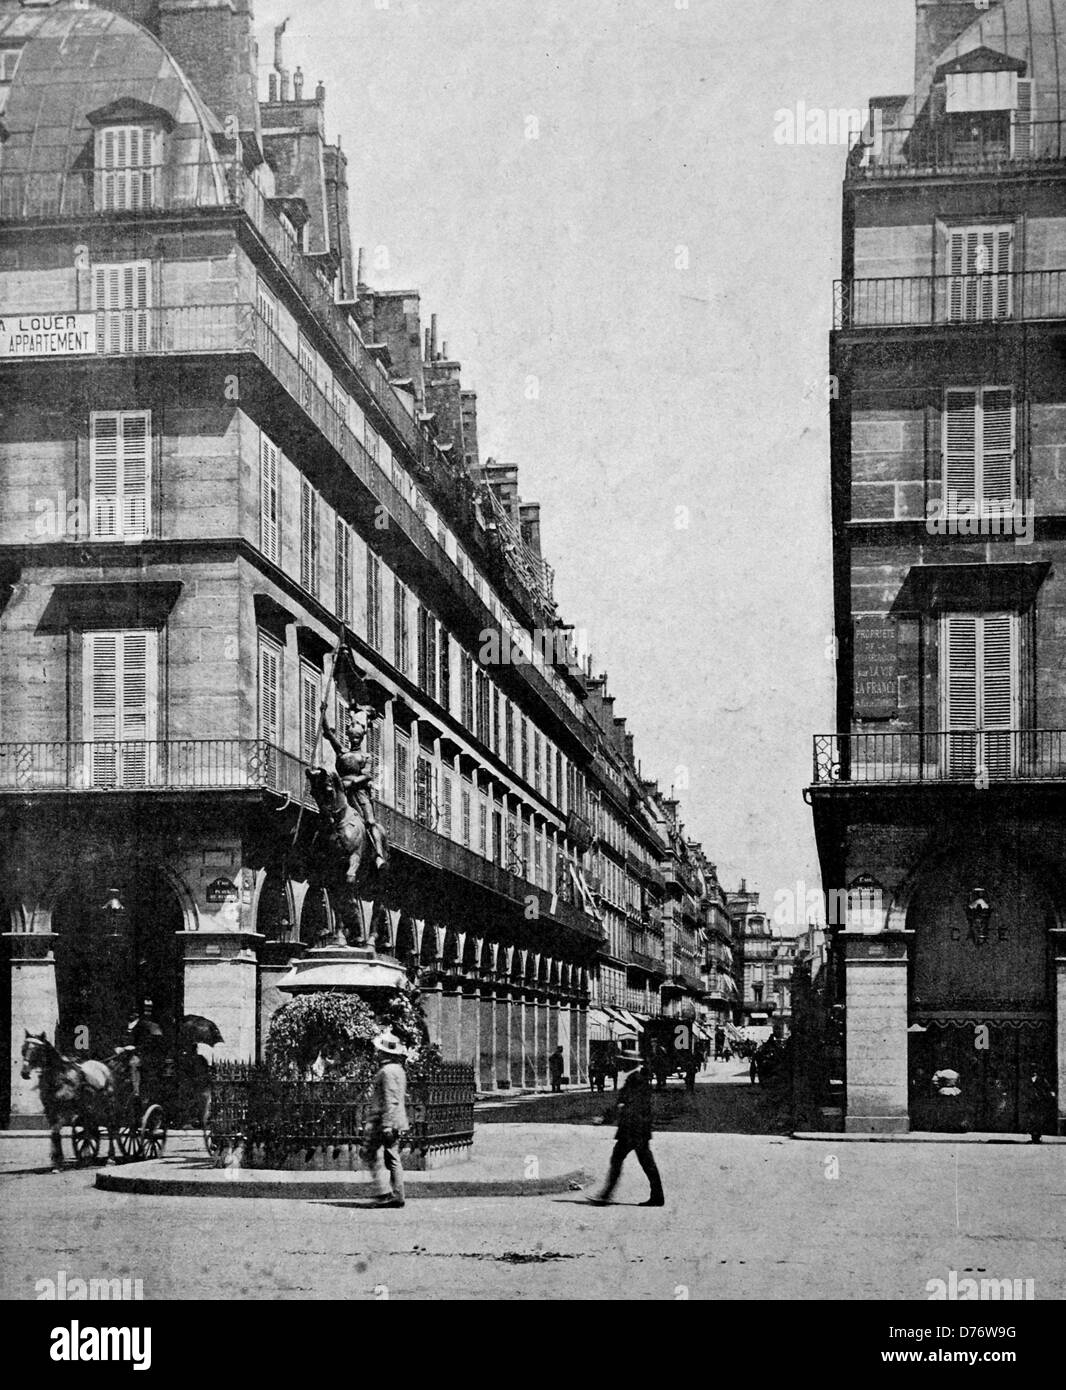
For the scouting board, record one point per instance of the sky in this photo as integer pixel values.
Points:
(637, 277)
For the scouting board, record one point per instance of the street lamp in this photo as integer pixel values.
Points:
(979, 915)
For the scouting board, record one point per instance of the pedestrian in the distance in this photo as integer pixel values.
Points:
(691, 1066)
(388, 1120)
(555, 1068)
(1041, 1094)
(633, 1136)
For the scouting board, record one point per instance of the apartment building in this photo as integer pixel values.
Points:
(938, 801)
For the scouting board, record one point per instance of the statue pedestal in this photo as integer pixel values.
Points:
(352, 968)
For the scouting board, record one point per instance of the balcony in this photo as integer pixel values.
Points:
(418, 841)
(1000, 755)
(920, 301)
(929, 151)
(136, 765)
(640, 960)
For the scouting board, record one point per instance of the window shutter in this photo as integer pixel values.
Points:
(136, 473)
(998, 668)
(1022, 118)
(104, 473)
(373, 600)
(979, 265)
(120, 705)
(269, 692)
(138, 708)
(269, 508)
(343, 571)
(308, 537)
(309, 713)
(997, 446)
(122, 300)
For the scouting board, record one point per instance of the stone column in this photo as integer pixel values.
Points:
(529, 1071)
(485, 1079)
(451, 1003)
(517, 1055)
(876, 1021)
(503, 1040)
(470, 1032)
(34, 1006)
(431, 1007)
(220, 983)
(545, 1042)
(561, 1032)
(1058, 938)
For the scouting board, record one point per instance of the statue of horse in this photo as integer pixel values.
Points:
(68, 1088)
(341, 853)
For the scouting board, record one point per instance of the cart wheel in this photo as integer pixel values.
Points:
(85, 1138)
(153, 1132)
(129, 1141)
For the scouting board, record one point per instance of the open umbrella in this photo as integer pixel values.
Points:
(198, 1029)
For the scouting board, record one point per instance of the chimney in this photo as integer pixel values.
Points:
(272, 87)
(938, 22)
(529, 522)
(432, 338)
(213, 41)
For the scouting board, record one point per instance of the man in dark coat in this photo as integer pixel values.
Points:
(555, 1068)
(388, 1120)
(633, 1136)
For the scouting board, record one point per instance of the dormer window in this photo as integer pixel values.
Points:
(986, 106)
(127, 167)
(128, 156)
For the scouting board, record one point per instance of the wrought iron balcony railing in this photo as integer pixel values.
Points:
(218, 764)
(984, 148)
(407, 836)
(978, 756)
(914, 301)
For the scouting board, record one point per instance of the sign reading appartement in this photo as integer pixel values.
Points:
(47, 335)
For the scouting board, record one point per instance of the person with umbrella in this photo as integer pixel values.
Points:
(195, 1069)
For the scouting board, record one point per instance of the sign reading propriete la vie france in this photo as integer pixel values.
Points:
(876, 668)
(47, 335)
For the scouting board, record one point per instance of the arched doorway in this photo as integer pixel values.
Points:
(981, 994)
(117, 946)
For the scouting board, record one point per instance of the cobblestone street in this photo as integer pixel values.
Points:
(748, 1215)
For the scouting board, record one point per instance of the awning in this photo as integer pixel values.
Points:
(632, 1023)
(607, 1024)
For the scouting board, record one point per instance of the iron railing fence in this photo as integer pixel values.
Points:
(966, 756)
(909, 301)
(273, 1118)
(987, 147)
(31, 193)
(218, 764)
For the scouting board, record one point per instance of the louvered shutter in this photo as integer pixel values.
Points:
(269, 505)
(1022, 119)
(123, 302)
(308, 537)
(307, 366)
(137, 750)
(998, 691)
(120, 706)
(309, 711)
(104, 474)
(997, 446)
(102, 705)
(979, 265)
(269, 692)
(136, 473)
(343, 573)
(959, 654)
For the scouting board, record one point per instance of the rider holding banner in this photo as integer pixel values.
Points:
(355, 769)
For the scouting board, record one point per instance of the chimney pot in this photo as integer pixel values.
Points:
(320, 95)
(272, 86)
(298, 84)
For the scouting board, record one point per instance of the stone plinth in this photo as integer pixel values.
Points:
(355, 969)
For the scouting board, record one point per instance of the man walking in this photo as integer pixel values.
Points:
(555, 1068)
(633, 1136)
(388, 1120)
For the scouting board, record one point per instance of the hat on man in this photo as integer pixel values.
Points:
(390, 1045)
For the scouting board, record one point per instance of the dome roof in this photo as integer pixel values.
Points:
(79, 63)
(1031, 30)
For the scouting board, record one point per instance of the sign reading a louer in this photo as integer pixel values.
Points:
(47, 335)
